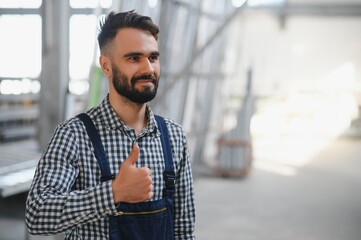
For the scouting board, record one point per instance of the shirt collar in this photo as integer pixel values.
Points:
(109, 117)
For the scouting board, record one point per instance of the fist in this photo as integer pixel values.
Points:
(132, 184)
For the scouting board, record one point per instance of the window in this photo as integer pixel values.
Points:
(82, 45)
(20, 3)
(90, 3)
(20, 45)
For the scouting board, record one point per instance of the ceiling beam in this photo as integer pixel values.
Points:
(333, 10)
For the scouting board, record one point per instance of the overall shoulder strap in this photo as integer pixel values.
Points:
(169, 175)
(98, 147)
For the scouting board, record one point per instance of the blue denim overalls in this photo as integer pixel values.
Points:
(151, 220)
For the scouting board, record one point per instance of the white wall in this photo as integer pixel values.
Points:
(304, 52)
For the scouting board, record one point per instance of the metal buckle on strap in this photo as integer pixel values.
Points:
(107, 178)
(169, 179)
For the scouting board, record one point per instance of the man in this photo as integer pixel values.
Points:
(67, 194)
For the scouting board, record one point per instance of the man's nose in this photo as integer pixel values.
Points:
(147, 67)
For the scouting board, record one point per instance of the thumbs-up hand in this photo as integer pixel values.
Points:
(132, 184)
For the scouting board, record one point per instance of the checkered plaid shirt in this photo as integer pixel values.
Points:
(66, 194)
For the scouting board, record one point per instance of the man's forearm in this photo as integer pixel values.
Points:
(51, 213)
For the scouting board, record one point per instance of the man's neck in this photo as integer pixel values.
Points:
(132, 114)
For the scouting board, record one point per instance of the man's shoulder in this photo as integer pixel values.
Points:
(74, 123)
(174, 127)
(170, 122)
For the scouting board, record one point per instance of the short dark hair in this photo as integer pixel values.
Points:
(115, 21)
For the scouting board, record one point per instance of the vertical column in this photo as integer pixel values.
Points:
(194, 18)
(165, 22)
(55, 67)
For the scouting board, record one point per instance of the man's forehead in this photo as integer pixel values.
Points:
(133, 36)
(132, 40)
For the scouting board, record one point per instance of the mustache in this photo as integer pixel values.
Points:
(142, 77)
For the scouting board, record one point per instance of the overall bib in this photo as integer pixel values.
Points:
(151, 220)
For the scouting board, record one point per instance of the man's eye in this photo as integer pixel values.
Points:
(135, 58)
(153, 58)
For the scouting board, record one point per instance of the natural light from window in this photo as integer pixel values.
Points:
(90, 3)
(288, 132)
(20, 46)
(20, 3)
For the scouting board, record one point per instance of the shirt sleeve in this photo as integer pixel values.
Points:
(184, 196)
(52, 205)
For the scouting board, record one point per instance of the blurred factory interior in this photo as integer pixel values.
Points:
(268, 92)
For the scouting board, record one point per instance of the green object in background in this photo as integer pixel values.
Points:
(95, 86)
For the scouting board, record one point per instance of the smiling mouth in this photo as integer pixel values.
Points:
(145, 81)
(145, 78)
(148, 83)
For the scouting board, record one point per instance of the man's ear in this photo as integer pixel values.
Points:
(105, 65)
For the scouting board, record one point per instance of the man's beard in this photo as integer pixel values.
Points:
(122, 86)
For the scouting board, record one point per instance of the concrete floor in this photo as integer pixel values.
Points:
(317, 201)
(322, 200)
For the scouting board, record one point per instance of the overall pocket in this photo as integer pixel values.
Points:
(152, 212)
(141, 221)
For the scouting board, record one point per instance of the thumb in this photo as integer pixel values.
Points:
(134, 154)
